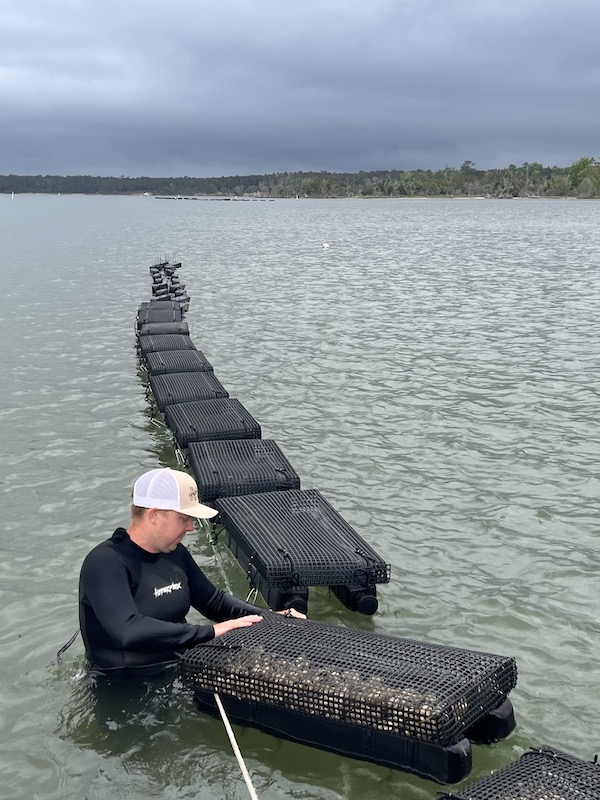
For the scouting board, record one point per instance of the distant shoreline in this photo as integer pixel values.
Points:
(531, 180)
(243, 199)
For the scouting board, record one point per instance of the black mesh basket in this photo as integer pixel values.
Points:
(149, 328)
(168, 341)
(240, 466)
(158, 313)
(540, 774)
(166, 361)
(296, 538)
(394, 701)
(155, 303)
(209, 420)
(180, 387)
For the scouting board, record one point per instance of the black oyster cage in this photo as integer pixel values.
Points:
(540, 774)
(179, 387)
(163, 328)
(240, 466)
(290, 540)
(406, 704)
(297, 538)
(163, 362)
(157, 342)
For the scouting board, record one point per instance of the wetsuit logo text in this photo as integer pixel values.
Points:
(172, 587)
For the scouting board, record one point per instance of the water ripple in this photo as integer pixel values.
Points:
(433, 373)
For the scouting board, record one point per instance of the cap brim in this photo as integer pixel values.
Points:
(199, 511)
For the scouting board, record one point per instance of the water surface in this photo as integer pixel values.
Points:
(434, 373)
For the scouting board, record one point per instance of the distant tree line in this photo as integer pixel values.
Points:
(581, 179)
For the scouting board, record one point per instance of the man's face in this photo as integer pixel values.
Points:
(170, 530)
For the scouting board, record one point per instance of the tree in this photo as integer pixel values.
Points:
(581, 169)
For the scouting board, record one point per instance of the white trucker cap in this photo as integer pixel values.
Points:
(170, 490)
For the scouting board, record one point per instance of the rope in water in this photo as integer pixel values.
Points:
(253, 593)
(235, 747)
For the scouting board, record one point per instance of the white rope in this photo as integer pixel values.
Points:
(180, 457)
(207, 527)
(253, 593)
(235, 747)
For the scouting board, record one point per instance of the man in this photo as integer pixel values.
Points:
(137, 587)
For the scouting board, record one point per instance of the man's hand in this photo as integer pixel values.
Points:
(291, 612)
(232, 624)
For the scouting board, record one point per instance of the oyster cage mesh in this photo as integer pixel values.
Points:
(540, 774)
(180, 387)
(297, 538)
(240, 466)
(427, 692)
(208, 420)
(164, 362)
(158, 314)
(168, 341)
(154, 328)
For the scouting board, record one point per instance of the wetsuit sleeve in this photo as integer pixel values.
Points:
(210, 601)
(105, 588)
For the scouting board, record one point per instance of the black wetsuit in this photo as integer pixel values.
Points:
(132, 606)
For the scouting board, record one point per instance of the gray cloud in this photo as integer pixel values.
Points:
(252, 86)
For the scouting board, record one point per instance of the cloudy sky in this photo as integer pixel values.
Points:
(226, 87)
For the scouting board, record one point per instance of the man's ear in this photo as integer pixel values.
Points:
(154, 515)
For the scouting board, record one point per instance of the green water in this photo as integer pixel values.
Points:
(434, 373)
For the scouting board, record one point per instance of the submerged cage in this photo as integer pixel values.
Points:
(240, 466)
(166, 361)
(295, 538)
(179, 387)
(208, 420)
(540, 774)
(397, 702)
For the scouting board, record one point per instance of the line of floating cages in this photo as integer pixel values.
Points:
(400, 703)
(166, 284)
(404, 704)
(287, 539)
(540, 774)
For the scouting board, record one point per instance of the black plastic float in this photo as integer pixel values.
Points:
(540, 774)
(393, 701)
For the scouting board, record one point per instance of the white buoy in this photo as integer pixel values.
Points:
(325, 245)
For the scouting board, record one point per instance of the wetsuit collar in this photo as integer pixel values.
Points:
(121, 538)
